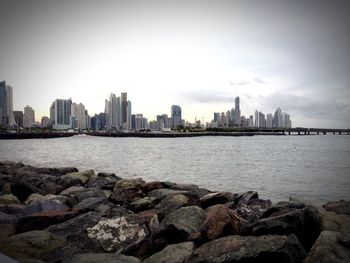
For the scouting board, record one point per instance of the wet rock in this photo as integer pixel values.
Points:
(110, 176)
(162, 193)
(305, 223)
(150, 217)
(141, 204)
(52, 171)
(216, 198)
(129, 184)
(112, 210)
(42, 220)
(9, 199)
(180, 224)
(281, 208)
(74, 232)
(33, 198)
(150, 186)
(100, 182)
(102, 257)
(253, 209)
(339, 207)
(78, 194)
(335, 222)
(118, 233)
(67, 181)
(37, 197)
(44, 205)
(33, 245)
(170, 203)
(250, 249)
(84, 176)
(176, 253)
(330, 247)
(91, 203)
(7, 167)
(191, 188)
(220, 221)
(122, 196)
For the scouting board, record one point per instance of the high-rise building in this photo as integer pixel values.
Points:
(62, 114)
(45, 121)
(163, 122)
(78, 111)
(18, 116)
(237, 112)
(262, 120)
(269, 120)
(28, 117)
(176, 116)
(256, 124)
(139, 121)
(124, 108)
(6, 105)
(251, 121)
(277, 118)
(128, 116)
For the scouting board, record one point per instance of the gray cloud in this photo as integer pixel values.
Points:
(207, 96)
(260, 81)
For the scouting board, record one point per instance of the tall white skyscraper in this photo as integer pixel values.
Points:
(28, 117)
(79, 116)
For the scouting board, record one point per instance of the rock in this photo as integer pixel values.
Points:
(305, 223)
(220, 221)
(33, 245)
(9, 199)
(335, 222)
(118, 233)
(43, 206)
(268, 248)
(150, 217)
(143, 204)
(6, 167)
(67, 181)
(24, 183)
(216, 198)
(180, 224)
(84, 176)
(176, 253)
(77, 194)
(74, 232)
(42, 220)
(253, 209)
(160, 194)
(52, 171)
(129, 183)
(7, 230)
(282, 208)
(33, 198)
(110, 176)
(91, 203)
(37, 197)
(170, 203)
(100, 182)
(112, 210)
(124, 196)
(339, 207)
(5, 259)
(191, 188)
(8, 218)
(330, 247)
(102, 257)
(150, 186)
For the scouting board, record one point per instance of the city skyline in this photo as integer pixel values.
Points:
(200, 56)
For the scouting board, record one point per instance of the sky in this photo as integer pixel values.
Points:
(197, 54)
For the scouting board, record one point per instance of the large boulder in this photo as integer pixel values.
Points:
(220, 221)
(170, 203)
(176, 253)
(118, 233)
(51, 171)
(101, 182)
(78, 194)
(9, 199)
(160, 194)
(43, 206)
(282, 249)
(335, 222)
(84, 176)
(253, 209)
(216, 198)
(193, 189)
(150, 186)
(33, 245)
(305, 223)
(102, 257)
(330, 247)
(125, 196)
(183, 222)
(339, 207)
(144, 203)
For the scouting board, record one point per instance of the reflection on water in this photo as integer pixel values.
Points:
(316, 168)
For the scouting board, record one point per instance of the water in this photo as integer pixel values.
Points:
(314, 168)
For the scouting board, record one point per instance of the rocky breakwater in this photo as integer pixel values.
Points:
(63, 215)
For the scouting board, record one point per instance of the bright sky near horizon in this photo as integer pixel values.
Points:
(197, 54)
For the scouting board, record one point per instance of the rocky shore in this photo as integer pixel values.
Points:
(63, 215)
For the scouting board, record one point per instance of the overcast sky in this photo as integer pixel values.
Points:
(198, 54)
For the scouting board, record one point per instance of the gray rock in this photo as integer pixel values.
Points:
(162, 193)
(84, 176)
(44, 205)
(32, 245)
(143, 204)
(216, 198)
(176, 253)
(5, 259)
(269, 248)
(339, 207)
(335, 222)
(100, 182)
(170, 203)
(7, 218)
(191, 188)
(9, 199)
(305, 223)
(91, 203)
(118, 232)
(330, 247)
(180, 224)
(253, 209)
(102, 257)
(78, 194)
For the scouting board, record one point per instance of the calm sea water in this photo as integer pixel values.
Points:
(314, 168)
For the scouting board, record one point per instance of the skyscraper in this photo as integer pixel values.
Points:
(78, 111)
(6, 105)
(18, 115)
(176, 116)
(62, 112)
(277, 118)
(237, 112)
(124, 109)
(269, 120)
(28, 117)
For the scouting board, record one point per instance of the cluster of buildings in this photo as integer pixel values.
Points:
(232, 118)
(117, 116)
